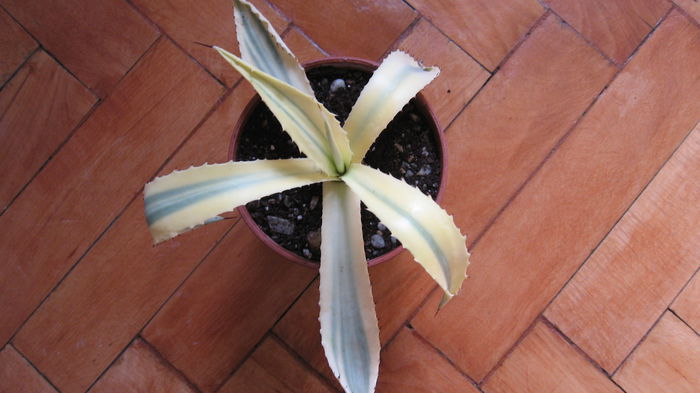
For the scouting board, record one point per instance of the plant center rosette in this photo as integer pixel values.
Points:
(410, 148)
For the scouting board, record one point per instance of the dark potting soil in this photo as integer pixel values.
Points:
(406, 149)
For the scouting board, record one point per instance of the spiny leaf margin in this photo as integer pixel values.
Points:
(398, 79)
(421, 225)
(182, 200)
(261, 46)
(349, 328)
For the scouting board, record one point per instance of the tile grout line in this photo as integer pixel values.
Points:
(647, 36)
(672, 311)
(692, 276)
(510, 350)
(48, 52)
(682, 11)
(578, 349)
(120, 211)
(588, 42)
(661, 315)
(83, 120)
(522, 39)
(443, 355)
(268, 331)
(26, 359)
(53, 154)
(19, 89)
(111, 363)
(402, 37)
(551, 325)
(167, 364)
(20, 66)
(295, 27)
(180, 47)
(428, 20)
(274, 7)
(303, 361)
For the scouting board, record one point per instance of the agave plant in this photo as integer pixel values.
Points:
(185, 199)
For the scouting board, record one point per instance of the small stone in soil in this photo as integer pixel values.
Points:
(313, 203)
(381, 227)
(280, 225)
(377, 241)
(425, 170)
(337, 85)
(314, 239)
(306, 253)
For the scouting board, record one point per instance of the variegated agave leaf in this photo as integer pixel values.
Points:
(421, 225)
(315, 130)
(349, 331)
(185, 199)
(398, 79)
(263, 48)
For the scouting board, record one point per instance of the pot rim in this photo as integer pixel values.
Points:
(344, 62)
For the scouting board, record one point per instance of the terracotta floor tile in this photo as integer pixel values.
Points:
(398, 288)
(692, 7)
(667, 360)
(361, 28)
(617, 27)
(487, 29)
(271, 368)
(460, 76)
(108, 298)
(570, 204)
(304, 50)
(15, 45)
(409, 364)
(95, 174)
(140, 370)
(40, 106)
(209, 22)
(18, 376)
(225, 308)
(515, 121)
(636, 272)
(545, 362)
(125, 262)
(687, 305)
(98, 41)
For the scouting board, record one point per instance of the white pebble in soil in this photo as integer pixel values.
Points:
(377, 241)
(337, 85)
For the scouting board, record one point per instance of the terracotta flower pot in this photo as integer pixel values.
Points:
(346, 63)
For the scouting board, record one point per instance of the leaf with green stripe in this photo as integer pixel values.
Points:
(315, 130)
(185, 199)
(349, 330)
(398, 79)
(262, 47)
(421, 225)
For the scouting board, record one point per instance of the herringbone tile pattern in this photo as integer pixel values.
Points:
(573, 132)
